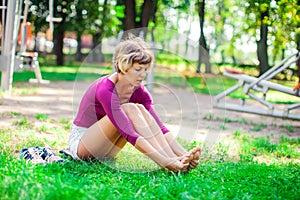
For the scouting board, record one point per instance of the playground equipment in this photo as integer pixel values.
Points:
(253, 86)
(10, 60)
(9, 32)
(26, 59)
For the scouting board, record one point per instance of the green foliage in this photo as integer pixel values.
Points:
(15, 113)
(23, 122)
(223, 127)
(289, 128)
(258, 127)
(252, 147)
(41, 117)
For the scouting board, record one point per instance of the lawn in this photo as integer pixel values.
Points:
(262, 170)
(252, 168)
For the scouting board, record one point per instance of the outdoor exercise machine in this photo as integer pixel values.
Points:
(27, 59)
(11, 34)
(253, 86)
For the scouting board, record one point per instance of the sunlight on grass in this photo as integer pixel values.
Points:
(131, 160)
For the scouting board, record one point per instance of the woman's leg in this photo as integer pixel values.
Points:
(120, 143)
(101, 140)
(192, 156)
(147, 127)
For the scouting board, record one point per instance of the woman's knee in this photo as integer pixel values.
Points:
(142, 109)
(130, 108)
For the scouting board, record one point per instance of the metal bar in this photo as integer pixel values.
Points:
(262, 83)
(264, 75)
(253, 110)
(293, 106)
(9, 46)
(263, 102)
(3, 27)
(25, 11)
(228, 91)
(281, 69)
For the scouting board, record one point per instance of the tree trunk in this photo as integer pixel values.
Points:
(233, 60)
(262, 48)
(78, 56)
(59, 44)
(203, 50)
(140, 27)
(298, 42)
(97, 54)
(222, 56)
(130, 15)
(147, 11)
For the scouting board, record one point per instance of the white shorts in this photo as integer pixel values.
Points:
(76, 132)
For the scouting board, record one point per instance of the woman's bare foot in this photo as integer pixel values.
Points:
(186, 159)
(176, 165)
(196, 152)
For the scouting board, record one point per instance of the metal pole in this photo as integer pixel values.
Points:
(9, 46)
(3, 8)
(51, 15)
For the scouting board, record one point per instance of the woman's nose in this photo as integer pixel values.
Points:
(144, 74)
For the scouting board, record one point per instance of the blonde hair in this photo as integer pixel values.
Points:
(130, 51)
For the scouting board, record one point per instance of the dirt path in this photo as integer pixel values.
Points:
(187, 114)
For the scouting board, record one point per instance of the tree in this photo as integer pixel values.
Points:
(203, 49)
(39, 10)
(297, 38)
(262, 48)
(137, 15)
(80, 23)
(66, 11)
(103, 23)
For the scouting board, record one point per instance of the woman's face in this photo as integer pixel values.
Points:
(136, 74)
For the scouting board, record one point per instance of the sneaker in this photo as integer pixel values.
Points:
(49, 156)
(32, 155)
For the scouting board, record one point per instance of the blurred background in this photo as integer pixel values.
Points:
(244, 33)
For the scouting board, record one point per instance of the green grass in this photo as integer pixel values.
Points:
(264, 169)
(78, 180)
(65, 73)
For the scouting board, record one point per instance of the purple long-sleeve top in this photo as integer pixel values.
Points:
(101, 99)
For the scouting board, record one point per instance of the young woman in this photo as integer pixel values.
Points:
(117, 109)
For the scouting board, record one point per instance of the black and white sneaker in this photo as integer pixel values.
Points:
(49, 156)
(32, 155)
